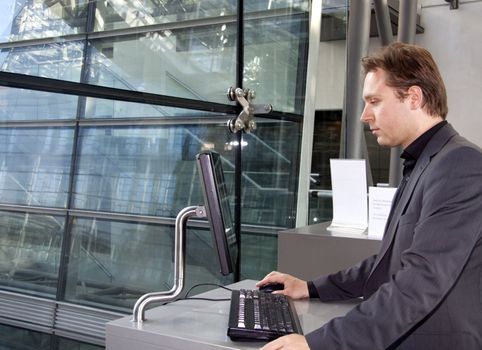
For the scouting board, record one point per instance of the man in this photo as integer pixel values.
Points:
(423, 290)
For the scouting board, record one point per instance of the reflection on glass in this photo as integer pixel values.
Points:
(334, 20)
(275, 54)
(114, 263)
(30, 252)
(326, 145)
(143, 170)
(262, 5)
(269, 173)
(197, 63)
(327, 127)
(112, 14)
(14, 338)
(69, 344)
(27, 19)
(23, 105)
(35, 166)
(147, 170)
(260, 254)
(56, 60)
(113, 109)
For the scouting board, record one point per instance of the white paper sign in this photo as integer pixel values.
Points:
(379, 203)
(349, 185)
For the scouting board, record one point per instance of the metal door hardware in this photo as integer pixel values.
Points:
(245, 119)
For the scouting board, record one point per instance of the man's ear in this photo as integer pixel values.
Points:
(415, 96)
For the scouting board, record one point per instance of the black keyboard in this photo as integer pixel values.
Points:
(256, 315)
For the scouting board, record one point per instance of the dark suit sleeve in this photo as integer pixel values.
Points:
(346, 284)
(443, 235)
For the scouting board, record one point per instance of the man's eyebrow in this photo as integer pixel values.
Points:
(369, 96)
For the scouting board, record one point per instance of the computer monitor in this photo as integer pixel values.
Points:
(218, 212)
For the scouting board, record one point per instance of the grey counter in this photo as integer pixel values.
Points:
(310, 251)
(202, 325)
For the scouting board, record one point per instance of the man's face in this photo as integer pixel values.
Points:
(388, 116)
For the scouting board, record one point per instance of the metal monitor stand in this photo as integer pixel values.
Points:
(179, 265)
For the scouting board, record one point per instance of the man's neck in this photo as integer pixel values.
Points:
(425, 123)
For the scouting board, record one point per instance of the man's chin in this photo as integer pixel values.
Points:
(383, 142)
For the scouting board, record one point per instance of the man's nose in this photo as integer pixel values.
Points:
(366, 114)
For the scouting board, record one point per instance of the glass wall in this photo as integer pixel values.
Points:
(329, 127)
(327, 133)
(13, 338)
(90, 185)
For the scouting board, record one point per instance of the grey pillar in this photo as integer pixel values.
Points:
(353, 144)
(383, 21)
(407, 26)
(357, 47)
(407, 21)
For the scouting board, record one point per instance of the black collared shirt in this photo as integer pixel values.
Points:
(410, 156)
(415, 149)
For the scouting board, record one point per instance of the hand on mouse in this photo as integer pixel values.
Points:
(271, 287)
(293, 287)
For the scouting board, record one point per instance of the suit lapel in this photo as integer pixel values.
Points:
(432, 148)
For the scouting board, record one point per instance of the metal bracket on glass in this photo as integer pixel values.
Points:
(179, 265)
(454, 4)
(245, 119)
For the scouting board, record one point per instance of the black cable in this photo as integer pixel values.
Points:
(205, 284)
(206, 299)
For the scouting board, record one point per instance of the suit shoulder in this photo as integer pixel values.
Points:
(459, 146)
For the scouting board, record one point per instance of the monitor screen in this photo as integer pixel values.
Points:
(218, 212)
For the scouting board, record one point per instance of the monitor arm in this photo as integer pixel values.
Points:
(179, 265)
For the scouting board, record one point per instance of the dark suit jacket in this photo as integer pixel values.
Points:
(424, 288)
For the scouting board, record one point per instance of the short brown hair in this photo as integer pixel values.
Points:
(407, 65)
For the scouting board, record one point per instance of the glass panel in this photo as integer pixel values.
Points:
(269, 184)
(27, 19)
(30, 252)
(196, 63)
(56, 60)
(144, 170)
(275, 54)
(69, 344)
(35, 166)
(260, 5)
(112, 109)
(330, 102)
(334, 20)
(326, 145)
(13, 338)
(23, 105)
(113, 14)
(269, 173)
(260, 254)
(113, 263)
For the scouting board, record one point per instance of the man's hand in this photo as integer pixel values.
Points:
(288, 342)
(293, 287)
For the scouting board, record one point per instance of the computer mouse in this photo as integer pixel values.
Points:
(271, 287)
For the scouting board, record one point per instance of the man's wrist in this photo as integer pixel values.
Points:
(312, 291)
